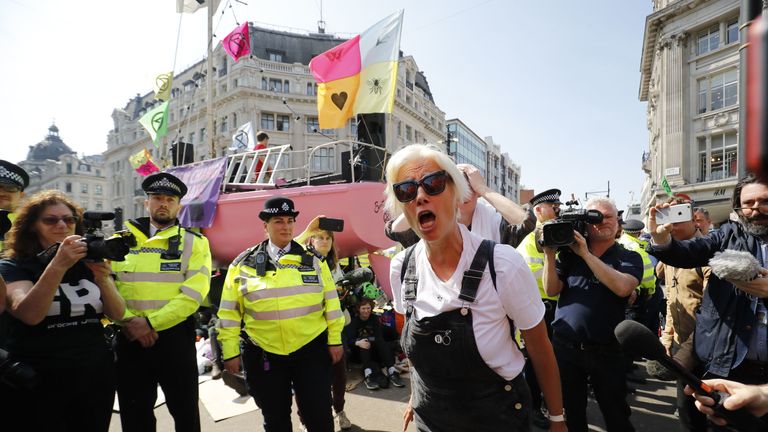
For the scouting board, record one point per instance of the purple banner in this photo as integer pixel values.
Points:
(203, 180)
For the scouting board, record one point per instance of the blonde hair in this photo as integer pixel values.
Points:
(419, 152)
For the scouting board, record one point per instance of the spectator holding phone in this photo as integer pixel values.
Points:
(730, 337)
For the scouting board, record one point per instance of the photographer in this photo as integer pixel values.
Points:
(55, 302)
(594, 277)
(163, 280)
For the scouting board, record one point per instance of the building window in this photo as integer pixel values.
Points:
(98, 172)
(264, 85)
(311, 89)
(191, 137)
(399, 129)
(98, 190)
(68, 187)
(84, 188)
(718, 155)
(323, 160)
(709, 39)
(312, 124)
(267, 121)
(223, 124)
(276, 85)
(283, 123)
(732, 32)
(353, 127)
(99, 206)
(408, 133)
(718, 91)
(69, 168)
(275, 56)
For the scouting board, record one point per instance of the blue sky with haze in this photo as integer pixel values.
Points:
(554, 82)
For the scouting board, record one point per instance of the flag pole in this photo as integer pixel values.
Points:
(209, 80)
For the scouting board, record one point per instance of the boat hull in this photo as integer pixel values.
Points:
(237, 226)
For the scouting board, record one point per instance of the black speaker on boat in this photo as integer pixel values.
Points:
(182, 153)
(370, 162)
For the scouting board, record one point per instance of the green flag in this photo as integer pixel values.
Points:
(665, 185)
(155, 122)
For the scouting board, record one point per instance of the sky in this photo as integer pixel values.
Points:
(555, 83)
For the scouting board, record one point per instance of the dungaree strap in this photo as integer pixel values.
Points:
(409, 280)
(472, 277)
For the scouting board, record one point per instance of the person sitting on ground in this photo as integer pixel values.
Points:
(366, 339)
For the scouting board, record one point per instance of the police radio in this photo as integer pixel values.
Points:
(172, 253)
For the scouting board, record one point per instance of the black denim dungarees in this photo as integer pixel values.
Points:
(453, 389)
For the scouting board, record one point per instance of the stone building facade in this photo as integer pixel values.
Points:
(277, 93)
(690, 80)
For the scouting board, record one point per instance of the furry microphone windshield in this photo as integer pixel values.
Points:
(734, 265)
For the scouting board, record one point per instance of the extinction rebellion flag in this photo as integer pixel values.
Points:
(360, 75)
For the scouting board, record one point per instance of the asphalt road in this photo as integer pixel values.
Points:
(381, 411)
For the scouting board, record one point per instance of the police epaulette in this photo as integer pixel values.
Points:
(192, 231)
(244, 255)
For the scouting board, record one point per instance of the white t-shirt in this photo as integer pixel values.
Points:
(516, 296)
(486, 221)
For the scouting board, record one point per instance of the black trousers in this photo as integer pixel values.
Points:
(73, 399)
(171, 363)
(270, 378)
(604, 369)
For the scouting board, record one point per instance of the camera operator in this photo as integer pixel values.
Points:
(546, 206)
(594, 277)
(55, 303)
(485, 212)
(164, 279)
(730, 337)
(13, 181)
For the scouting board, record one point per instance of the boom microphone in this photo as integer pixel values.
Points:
(356, 277)
(732, 265)
(636, 340)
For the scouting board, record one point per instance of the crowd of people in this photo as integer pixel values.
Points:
(501, 330)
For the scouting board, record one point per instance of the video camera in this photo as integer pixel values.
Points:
(99, 248)
(559, 232)
(5, 223)
(17, 374)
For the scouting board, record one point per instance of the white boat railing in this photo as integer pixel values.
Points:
(241, 167)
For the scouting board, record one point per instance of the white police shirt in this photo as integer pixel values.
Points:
(516, 297)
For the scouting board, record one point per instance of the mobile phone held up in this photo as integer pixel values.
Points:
(674, 214)
(331, 224)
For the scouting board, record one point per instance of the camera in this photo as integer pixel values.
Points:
(559, 232)
(5, 223)
(99, 248)
(17, 374)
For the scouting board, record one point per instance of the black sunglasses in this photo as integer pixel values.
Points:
(433, 184)
(53, 220)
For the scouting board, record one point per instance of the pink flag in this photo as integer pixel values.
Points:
(238, 43)
(341, 61)
(142, 163)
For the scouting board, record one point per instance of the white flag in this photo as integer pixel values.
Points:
(243, 139)
(189, 6)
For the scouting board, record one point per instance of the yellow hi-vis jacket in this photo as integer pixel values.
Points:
(535, 260)
(12, 218)
(290, 305)
(165, 290)
(649, 272)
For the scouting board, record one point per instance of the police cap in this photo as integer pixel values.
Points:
(551, 196)
(277, 206)
(13, 175)
(164, 184)
(632, 225)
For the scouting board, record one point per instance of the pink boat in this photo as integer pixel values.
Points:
(237, 226)
(359, 204)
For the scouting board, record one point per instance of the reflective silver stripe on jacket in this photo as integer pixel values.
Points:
(229, 305)
(150, 277)
(189, 292)
(332, 315)
(143, 305)
(282, 292)
(285, 313)
(229, 323)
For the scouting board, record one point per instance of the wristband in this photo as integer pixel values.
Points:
(556, 418)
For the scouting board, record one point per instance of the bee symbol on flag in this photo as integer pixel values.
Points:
(376, 85)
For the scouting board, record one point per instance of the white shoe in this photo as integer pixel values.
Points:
(343, 421)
